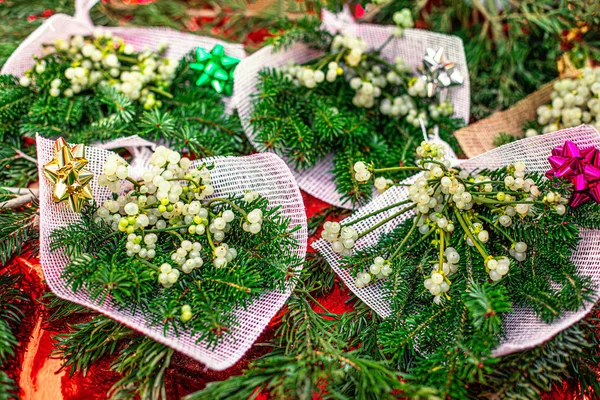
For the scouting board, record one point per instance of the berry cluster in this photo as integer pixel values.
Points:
(574, 101)
(342, 239)
(371, 78)
(361, 171)
(171, 198)
(403, 20)
(380, 269)
(448, 201)
(102, 59)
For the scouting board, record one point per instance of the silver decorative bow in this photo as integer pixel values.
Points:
(438, 74)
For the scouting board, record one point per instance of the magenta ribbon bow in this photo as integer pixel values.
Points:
(579, 166)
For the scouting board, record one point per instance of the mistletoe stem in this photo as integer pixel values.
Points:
(476, 243)
(392, 169)
(369, 215)
(494, 226)
(135, 183)
(172, 228)
(441, 262)
(410, 232)
(388, 219)
(232, 204)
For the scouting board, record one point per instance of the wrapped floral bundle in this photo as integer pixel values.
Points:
(479, 260)
(198, 255)
(574, 100)
(568, 101)
(346, 92)
(92, 84)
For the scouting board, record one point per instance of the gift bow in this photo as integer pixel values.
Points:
(69, 176)
(581, 167)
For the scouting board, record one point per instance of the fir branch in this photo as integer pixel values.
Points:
(12, 301)
(18, 232)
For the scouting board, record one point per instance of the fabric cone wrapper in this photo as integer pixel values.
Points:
(265, 174)
(411, 47)
(523, 329)
(61, 26)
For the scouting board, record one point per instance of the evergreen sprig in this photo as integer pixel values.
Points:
(140, 360)
(447, 345)
(305, 125)
(12, 300)
(310, 358)
(99, 263)
(18, 232)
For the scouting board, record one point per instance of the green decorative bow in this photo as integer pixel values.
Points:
(216, 69)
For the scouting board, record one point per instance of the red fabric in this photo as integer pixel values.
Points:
(33, 366)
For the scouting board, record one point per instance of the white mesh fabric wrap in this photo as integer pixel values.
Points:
(523, 329)
(265, 173)
(64, 26)
(318, 180)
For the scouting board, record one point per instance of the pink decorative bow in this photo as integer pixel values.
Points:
(579, 166)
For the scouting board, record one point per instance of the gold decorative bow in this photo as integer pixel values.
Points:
(66, 171)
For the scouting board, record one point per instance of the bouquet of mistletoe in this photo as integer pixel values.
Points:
(475, 261)
(198, 255)
(326, 97)
(98, 87)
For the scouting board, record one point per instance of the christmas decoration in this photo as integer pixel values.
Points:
(98, 87)
(573, 101)
(343, 96)
(474, 245)
(216, 69)
(580, 167)
(437, 73)
(190, 244)
(68, 175)
(339, 355)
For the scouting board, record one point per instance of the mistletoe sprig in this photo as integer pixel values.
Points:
(353, 103)
(474, 245)
(164, 247)
(99, 87)
(477, 206)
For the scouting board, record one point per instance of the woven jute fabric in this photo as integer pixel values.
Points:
(264, 173)
(523, 329)
(318, 180)
(61, 26)
(479, 137)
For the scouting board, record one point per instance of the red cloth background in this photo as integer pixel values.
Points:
(39, 377)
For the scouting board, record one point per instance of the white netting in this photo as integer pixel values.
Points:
(523, 329)
(265, 173)
(64, 26)
(318, 180)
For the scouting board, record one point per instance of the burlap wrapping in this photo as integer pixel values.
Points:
(64, 26)
(479, 137)
(523, 329)
(265, 173)
(318, 180)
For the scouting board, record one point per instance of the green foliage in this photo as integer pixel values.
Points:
(305, 125)
(504, 138)
(99, 263)
(140, 360)
(519, 43)
(307, 30)
(12, 300)
(572, 354)
(18, 232)
(190, 117)
(309, 359)
(17, 165)
(447, 345)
